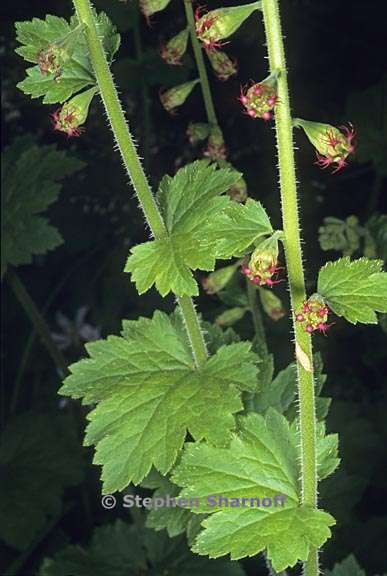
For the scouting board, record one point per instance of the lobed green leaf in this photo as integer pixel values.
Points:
(30, 184)
(149, 394)
(355, 290)
(261, 462)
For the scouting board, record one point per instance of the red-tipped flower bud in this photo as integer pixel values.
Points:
(175, 97)
(73, 113)
(262, 268)
(231, 316)
(216, 25)
(223, 66)
(333, 146)
(173, 51)
(217, 280)
(197, 132)
(51, 60)
(149, 7)
(271, 304)
(216, 149)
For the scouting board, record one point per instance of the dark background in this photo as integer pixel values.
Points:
(336, 51)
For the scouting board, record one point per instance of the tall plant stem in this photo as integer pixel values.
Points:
(38, 322)
(292, 243)
(198, 53)
(256, 315)
(132, 162)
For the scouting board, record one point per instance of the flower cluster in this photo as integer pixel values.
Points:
(314, 315)
(260, 99)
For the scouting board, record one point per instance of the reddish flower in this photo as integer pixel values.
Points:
(333, 145)
(204, 23)
(260, 99)
(314, 315)
(66, 121)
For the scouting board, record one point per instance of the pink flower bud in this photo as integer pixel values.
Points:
(261, 98)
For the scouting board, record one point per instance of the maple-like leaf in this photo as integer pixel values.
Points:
(30, 183)
(354, 289)
(261, 462)
(190, 203)
(149, 394)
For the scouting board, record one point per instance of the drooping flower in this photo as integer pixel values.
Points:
(176, 96)
(73, 114)
(262, 269)
(173, 51)
(223, 66)
(150, 7)
(238, 192)
(216, 148)
(51, 60)
(333, 145)
(314, 315)
(216, 25)
(271, 304)
(260, 98)
(219, 279)
(197, 132)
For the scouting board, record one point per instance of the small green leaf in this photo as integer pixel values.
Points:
(167, 263)
(30, 184)
(190, 203)
(239, 227)
(149, 394)
(355, 290)
(261, 462)
(348, 567)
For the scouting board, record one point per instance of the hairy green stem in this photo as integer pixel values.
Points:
(132, 162)
(257, 315)
(37, 321)
(292, 243)
(198, 53)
